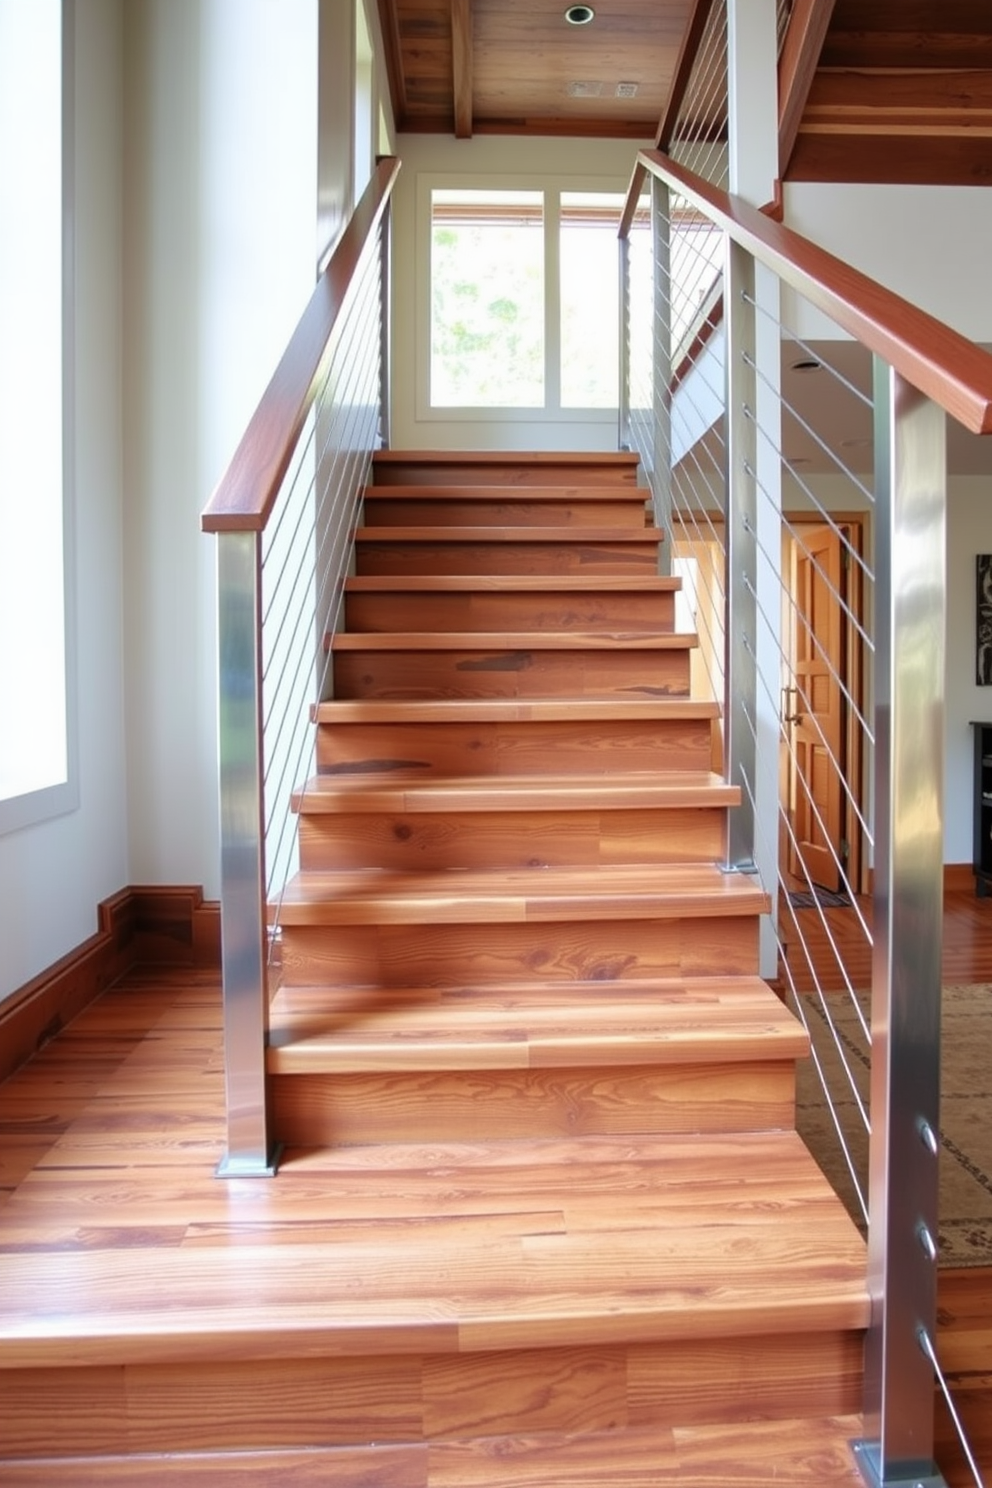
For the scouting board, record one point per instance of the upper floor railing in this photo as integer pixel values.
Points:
(284, 513)
(808, 520)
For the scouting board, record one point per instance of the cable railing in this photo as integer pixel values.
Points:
(285, 513)
(809, 468)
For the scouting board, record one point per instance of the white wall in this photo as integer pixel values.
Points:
(486, 159)
(932, 245)
(52, 876)
(220, 229)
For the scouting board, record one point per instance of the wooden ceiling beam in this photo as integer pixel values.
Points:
(461, 66)
(797, 65)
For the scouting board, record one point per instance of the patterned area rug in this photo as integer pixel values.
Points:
(966, 1114)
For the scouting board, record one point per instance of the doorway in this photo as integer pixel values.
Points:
(822, 764)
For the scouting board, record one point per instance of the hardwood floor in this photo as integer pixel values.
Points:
(108, 1143)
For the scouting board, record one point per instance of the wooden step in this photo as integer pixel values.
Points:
(498, 737)
(494, 602)
(461, 1250)
(512, 821)
(532, 1025)
(515, 550)
(524, 664)
(499, 506)
(503, 467)
(697, 1055)
(793, 1454)
(388, 929)
(528, 896)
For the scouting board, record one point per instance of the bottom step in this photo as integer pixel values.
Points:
(791, 1454)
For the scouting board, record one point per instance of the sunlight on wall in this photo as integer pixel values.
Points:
(33, 738)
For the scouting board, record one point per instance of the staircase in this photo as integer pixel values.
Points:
(520, 1022)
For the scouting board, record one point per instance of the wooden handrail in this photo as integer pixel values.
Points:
(951, 370)
(246, 493)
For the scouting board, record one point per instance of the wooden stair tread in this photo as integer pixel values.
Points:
(626, 460)
(331, 793)
(509, 710)
(565, 583)
(687, 1237)
(806, 1453)
(451, 896)
(692, 1021)
(570, 536)
(501, 491)
(528, 640)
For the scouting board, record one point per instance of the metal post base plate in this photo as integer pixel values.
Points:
(244, 1167)
(925, 1475)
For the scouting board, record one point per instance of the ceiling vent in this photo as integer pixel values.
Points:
(584, 90)
(626, 90)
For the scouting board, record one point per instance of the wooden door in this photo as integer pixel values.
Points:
(815, 709)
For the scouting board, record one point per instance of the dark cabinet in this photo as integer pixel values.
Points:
(981, 855)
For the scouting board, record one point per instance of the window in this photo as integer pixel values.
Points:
(589, 299)
(487, 299)
(35, 774)
(523, 300)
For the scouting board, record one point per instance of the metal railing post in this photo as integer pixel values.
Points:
(910, 481)
(740, 674)
(243, 930)
(661, 461)
(385, 327)
(623, 420)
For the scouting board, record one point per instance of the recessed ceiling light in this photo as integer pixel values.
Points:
(579, 15)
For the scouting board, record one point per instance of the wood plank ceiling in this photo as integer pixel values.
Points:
(518, 67)
(871, 90)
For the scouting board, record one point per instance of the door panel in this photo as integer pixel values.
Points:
(816, 714)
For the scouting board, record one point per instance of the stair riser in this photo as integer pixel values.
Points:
(486, 611)
(305, 1402)
(477, 511)
(609, 559)
(454, 955)
(479, 470)
(482, 1105)
(525, 674)
(494, 839)
(555, 748)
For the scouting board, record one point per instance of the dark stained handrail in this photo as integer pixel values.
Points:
(246, 492)
(938, 361)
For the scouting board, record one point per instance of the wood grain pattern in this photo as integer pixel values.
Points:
(393, 606)
(505, 736)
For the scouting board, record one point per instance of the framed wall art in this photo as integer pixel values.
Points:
(983, 619)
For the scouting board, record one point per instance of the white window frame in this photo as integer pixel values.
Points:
(33, 807)
(552, 185)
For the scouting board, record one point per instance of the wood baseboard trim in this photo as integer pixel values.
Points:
(959, 877)
(154, 924)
